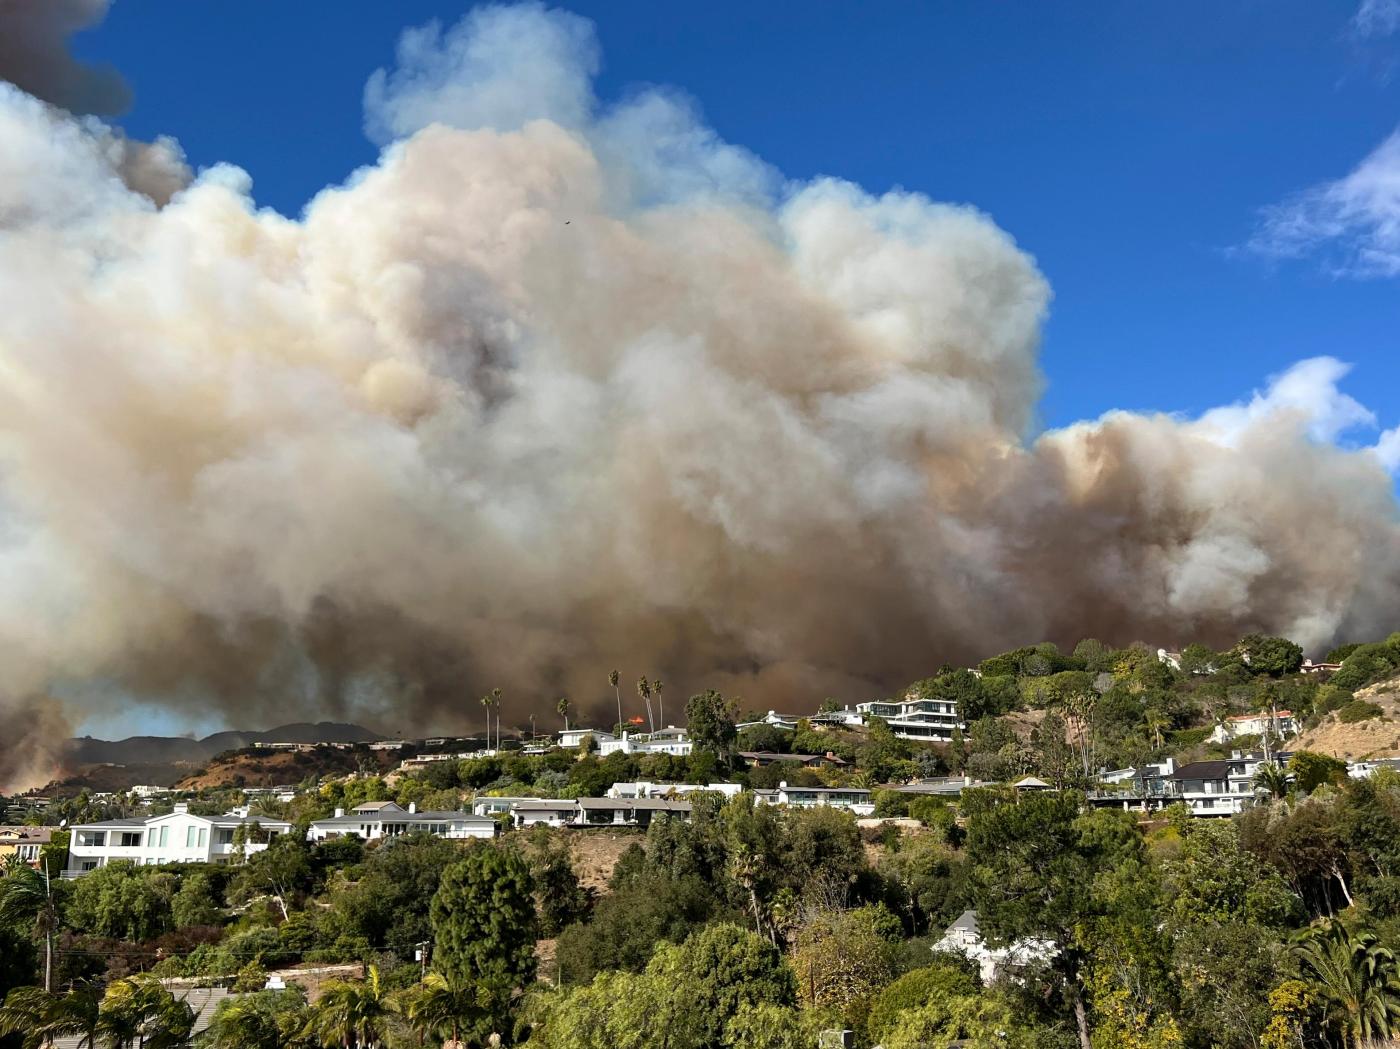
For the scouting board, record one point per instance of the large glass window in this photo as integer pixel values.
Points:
(189, 837)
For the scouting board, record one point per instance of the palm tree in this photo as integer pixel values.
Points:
(1156, 721)
(441, 1006)
(352, 1013)
(496, 702)
(563, 707)
(139, 1011)
(262, 1020)
(486, 702)
(42, 1017)
(660, 707)
(26, 896)
(1272, 777)
(1355, 977)
(613, 678)
(644, 690)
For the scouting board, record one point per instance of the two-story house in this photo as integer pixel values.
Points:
(24, 842)
(177, 837)
(1221, 787)
(915, 717)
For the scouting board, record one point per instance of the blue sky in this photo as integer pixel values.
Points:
(1132, 148)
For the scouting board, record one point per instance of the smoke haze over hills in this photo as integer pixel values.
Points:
(556, 387)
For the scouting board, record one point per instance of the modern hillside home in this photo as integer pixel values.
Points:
(853, 799)
(914, 717)
(177, 837)
(669, 740)
(374, 820)
(1220, 788)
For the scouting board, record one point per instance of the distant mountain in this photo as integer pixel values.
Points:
(145, 750)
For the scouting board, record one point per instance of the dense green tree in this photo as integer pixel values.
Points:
(195, 902)
(1311, 770)
(123, 902)
(1031, 877)
(1274, 656)
(710, 723)
(946, 979)
(727, 969)
(629, 922)
(484, 923)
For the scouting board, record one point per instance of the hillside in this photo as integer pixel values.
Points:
(262, 768)
(1376, 738)
(163, 761)
(86, 750)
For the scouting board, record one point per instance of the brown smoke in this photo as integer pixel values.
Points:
(553, 389)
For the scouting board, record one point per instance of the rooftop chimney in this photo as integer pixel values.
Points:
(181, 806)
(413, 806)
(339, 813)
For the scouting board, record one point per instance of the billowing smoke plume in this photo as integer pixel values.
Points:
(555, 388)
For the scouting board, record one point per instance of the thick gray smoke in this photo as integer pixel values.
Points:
(34, 55)
(555, 388)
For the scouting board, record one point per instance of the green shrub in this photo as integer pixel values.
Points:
(1359, 710)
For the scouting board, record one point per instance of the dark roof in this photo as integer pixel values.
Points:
(1219, 769)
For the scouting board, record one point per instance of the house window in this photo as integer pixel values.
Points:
(189, 837)
(90, 865)
(163, 838)
(203, 837)
(223, 836)
(92, 839)
(129, 839)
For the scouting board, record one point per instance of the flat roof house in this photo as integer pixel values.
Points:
(853, 799)
(384, 819)
(914, 717)
(177, 837)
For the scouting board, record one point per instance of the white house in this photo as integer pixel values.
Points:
(552, 812)
(1279, 725)
(914, 717)
(787, 722)
(572, 738)
(669, 740)
(853, 799)
(843, 718)
(384, 819)
(177, 837)
(1309, 667)
(964, 937)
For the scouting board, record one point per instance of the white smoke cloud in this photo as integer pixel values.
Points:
(544, 393)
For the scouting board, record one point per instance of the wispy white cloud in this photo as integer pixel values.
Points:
(1351, 224)
(1376, 18)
